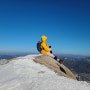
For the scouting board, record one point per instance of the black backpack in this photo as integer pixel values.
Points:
(39, 46)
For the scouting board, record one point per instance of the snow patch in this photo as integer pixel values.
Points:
(23, 73)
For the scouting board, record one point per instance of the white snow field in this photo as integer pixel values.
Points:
(23, 73)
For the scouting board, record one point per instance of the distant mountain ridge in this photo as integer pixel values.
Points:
(7, 56)
(79, 65)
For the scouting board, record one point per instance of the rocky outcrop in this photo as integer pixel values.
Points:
(60, 69)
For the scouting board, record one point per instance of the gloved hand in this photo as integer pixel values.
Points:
(49, 46)
(50, 51)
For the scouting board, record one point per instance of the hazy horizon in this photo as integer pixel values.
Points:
(28, 53)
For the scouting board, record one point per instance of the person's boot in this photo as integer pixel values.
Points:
(55, 57)
(61, 61)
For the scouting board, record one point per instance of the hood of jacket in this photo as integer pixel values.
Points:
(43, 38)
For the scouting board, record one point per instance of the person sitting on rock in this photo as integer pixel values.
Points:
(46, 50)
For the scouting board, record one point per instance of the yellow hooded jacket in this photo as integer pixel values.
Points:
(44, 45)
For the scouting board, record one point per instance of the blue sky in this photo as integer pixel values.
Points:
(66, 23)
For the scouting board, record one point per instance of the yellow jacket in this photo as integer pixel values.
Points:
(44, 45)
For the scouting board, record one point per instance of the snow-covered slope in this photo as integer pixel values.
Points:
(23, 73)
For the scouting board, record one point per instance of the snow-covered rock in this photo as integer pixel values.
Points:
(23, 73)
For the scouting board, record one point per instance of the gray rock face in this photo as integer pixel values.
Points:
(60, 69)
